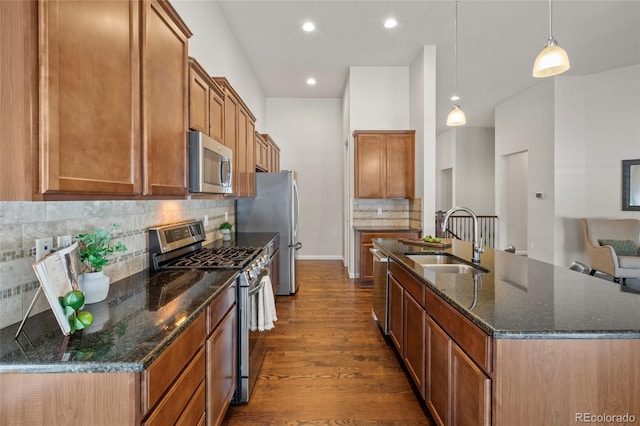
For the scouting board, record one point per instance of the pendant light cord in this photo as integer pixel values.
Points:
(455, 53)
(550, 21)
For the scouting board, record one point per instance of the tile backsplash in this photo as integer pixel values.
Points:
(21, 223)
(394, 212)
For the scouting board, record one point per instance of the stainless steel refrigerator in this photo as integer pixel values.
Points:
(275, 208)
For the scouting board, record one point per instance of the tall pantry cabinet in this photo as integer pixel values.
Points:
(99, 91)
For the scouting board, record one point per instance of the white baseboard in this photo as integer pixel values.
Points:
(316, 257)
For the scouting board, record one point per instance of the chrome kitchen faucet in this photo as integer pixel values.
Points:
(477, 243)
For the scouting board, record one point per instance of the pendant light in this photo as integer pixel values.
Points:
(553, 59)
(456, 117)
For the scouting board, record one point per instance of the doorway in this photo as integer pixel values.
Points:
(515, 201)
(446, 189)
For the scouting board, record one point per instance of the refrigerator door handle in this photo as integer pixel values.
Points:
(297, 208)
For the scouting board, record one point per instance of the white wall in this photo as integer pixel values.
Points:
(469, 152)
(577, 131)
(378, 99)
(597, 125)
(216, 48)
(422, 93)
(475, 169)
(525, 122)
(309, 134)
(347, 180)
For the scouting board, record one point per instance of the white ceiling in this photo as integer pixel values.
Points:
(497, 43)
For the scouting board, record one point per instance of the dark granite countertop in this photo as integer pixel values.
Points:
(525, 298)
(379, 228)
(140, 318)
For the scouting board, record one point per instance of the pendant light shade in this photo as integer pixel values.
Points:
(456, 117)
(553, 59)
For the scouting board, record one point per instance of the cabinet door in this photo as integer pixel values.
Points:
(164, 74)
(366, 262)
(470, 391)
(400, 158)
(396, 316)
(198, 102)
(370, 166)
(251, 157)
(231, 125)
(437, 383)
(414, 342)
(89, 97)
(221, 368)
(216, 116)
(241, 154)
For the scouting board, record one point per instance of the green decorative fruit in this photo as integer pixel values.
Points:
(73, 299)
(85, 317)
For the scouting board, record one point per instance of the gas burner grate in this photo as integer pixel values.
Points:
(216, 257)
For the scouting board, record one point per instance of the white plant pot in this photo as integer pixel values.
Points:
(226, 234)
(95, 286)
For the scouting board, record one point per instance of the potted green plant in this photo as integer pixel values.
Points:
(95, 250)
(225, 230)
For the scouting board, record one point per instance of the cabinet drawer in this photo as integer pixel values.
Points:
(411, 284)
(176, 401)
(157, 378)
(219, 307)
(474, 341)
(195, 410)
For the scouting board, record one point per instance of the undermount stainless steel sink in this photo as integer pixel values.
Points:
(433, 259)
(452, 268)
(445, 264)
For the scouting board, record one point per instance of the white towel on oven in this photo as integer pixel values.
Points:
(263, 312)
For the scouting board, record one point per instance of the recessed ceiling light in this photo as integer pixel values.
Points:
(308, 26)
(390, 23)
(311, 81)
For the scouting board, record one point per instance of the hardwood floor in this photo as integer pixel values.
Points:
(327, 363)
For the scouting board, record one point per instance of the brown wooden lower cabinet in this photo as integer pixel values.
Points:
(414, 343)
(396, 314)
(190, 383)
(171, 381)
(366, 243)
(459, 392)
(470, 391)
(472, 379)
(406, 329)
(437, 382)
(221, 368)
(221, 346)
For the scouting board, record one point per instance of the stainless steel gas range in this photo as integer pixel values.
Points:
(182, 246)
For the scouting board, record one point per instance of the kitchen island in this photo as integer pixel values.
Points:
(526, 343)
(145, 359)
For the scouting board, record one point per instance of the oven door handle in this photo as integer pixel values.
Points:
(257, 288)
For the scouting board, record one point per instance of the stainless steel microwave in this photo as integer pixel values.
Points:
(210, 165)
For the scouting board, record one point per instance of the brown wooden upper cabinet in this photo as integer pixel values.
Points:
(267, 154)
(239, 135)
(384, 163)
(262, 153)
(206, 103)
(164, 100)
(273, 155)
(98, 106)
